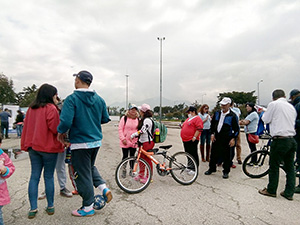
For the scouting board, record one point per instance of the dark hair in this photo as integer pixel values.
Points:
(278, 93)
(201, 110)
(44, 96)
(0, 139)
(147, 114)
(252, 107)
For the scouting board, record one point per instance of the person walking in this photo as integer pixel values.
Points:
(4, 117)
(19, 123)
(82, 114)
(190, 133)
(127, 126)
(39, 139)
(281, 117)
(295, 98)
(205, 135)
(251, 124)
(145, 138)
(224, 130)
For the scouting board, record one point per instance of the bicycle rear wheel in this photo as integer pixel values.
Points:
(183, 168)
(260, 167)
(133, 182)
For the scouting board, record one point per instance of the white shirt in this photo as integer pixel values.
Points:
(221, 121)
(147, 125)
(281, 116)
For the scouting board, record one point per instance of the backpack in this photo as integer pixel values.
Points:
(159, 132)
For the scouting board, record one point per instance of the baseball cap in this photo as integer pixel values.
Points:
(84, 76)
(144, 107)
(133, 106)
(191, 109)
(294, 92)
(225, 101)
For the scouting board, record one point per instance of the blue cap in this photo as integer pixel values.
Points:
(294, 92)
(84, 76)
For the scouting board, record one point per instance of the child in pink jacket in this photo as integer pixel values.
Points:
(6, 170)
(128, 125)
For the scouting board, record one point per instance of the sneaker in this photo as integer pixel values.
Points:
(191, 172)
(144, 180)
(266, 193)
(285, 196)
(81, 212)
(32, 213)
(74, 192)
(107, 195)
(50, 210)
(233, 166)
(240, 162)
(225, 175)
(42, 196)
(66, 193)
(209, 172)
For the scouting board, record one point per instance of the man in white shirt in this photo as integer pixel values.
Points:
(281, 117)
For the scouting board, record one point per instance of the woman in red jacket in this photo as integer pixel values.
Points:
(39, 138)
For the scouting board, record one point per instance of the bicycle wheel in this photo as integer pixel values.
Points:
(258, 168)
(183, 168)
(133, 182)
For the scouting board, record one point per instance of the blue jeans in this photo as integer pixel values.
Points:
(1, 217)
(205, 137)
(40, 160)
(19, 129)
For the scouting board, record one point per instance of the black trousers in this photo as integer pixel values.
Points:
(220, 149)
(191, 147)
(86, 174)
(4, 126)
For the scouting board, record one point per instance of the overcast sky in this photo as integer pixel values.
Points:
(211, 46)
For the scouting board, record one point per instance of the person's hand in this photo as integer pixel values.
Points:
(212, 138)
(61, 138)
(232, 142)
(124, 142)
(194, 139)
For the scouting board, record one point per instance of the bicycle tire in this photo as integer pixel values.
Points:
(131, 182)
(181, 171)
(258, 169)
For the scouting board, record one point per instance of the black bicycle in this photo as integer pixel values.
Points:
(256, 164)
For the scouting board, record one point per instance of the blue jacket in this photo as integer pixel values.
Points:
(82, 114)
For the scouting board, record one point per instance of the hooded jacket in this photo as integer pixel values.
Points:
(82, 114)
(4, 195)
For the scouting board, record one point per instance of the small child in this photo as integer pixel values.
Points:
(6, 170)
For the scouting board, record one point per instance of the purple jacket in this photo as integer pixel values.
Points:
(4, 195)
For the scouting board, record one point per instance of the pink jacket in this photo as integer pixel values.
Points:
(126, 130)
(4, 195)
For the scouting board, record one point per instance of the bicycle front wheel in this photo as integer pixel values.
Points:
(183, 168)
(133, 181)
(256, 164)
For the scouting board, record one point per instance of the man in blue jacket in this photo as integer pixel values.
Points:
(4, 122)
(82, 114)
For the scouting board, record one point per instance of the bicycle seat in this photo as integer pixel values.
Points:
(165, 147)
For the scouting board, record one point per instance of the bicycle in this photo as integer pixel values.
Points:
(133, 174)
(260, 167)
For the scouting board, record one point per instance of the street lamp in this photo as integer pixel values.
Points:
(202, 98)
(126, 107)
(258, 90)
(160, 77)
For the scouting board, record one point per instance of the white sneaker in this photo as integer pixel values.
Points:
(190, 172)
(42, 196)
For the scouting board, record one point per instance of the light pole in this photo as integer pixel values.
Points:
(160, 77)
(258, 90)
(202, 98)
(126, 107)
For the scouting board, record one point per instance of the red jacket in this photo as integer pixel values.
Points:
(40, 130)
(189, 127)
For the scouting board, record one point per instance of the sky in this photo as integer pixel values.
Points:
(210, 47)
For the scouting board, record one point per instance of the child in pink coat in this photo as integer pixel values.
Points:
(6, 170)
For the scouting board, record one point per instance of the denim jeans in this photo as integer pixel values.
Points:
(1, 217)
(205, 137)
(19, 129)
(40, 160)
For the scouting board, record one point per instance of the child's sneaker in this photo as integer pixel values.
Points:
(107, 195)
(42, 196)
(74, 192)
(81, 212)
(144, 180)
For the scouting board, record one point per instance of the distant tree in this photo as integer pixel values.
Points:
(27, 96)
(196, 104)
(239, 98)
(7, 94)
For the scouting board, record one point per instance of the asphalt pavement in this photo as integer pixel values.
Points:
(210, 200)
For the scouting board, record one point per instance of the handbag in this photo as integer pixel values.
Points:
(253, 138)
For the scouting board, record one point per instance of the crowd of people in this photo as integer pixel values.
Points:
(72, 134)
